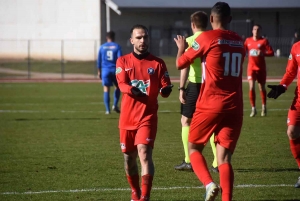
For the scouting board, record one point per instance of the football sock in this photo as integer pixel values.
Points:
(116, 97)
(200, 168)
(106, 99)
(226, 181)
(252, 97)
(263, 97)
(295, 149)
(185, 137)
(214, 150)
(146, 185)
(134, 183)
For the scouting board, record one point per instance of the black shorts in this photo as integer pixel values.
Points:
(192, 92)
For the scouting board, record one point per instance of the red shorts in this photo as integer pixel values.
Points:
(129, 139)
(293, 116)
(259, 75)
(226, 126)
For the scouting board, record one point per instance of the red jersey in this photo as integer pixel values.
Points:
(257, 62)
(223, 54)
(293, 71)
(149, 75)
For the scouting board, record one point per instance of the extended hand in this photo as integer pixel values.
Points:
(276, 90)
(135, 91)
(180, 42)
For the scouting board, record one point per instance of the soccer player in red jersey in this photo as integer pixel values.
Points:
(219, 107)
(141, 77)
(293, 118)
(257, 48)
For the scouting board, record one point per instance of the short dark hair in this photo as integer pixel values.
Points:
(222, 9)
(258, 25)
(200, 19)
(110, 35)
(138, 26)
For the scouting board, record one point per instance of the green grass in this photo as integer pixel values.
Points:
(55, 139)
(275, 66)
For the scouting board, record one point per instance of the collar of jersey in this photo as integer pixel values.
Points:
(140, 56)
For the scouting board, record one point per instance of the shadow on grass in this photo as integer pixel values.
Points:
(68, 119)
(268, 170)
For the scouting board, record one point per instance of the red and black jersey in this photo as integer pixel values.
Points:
(257, 62)
(149, 74)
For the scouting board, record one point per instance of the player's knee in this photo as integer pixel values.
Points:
(185, 121)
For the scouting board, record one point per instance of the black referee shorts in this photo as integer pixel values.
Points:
(192, 92)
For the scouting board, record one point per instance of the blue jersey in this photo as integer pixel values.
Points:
(107, 57)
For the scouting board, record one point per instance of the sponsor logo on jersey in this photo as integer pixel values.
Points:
(195, 45)
(253, 52)
(127, 69)
(232, 43)
(118, 70)
(150, 71)
(122, 146)
(166, 74)
(290, 57)
(141, 84)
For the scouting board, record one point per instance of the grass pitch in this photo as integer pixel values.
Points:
(56, 143)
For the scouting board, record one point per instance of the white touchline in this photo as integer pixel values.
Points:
(127, 189)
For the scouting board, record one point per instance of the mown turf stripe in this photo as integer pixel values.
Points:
(127, 189)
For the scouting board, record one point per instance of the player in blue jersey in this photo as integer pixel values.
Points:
(108, 54)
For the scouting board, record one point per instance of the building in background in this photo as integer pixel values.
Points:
(74, 29)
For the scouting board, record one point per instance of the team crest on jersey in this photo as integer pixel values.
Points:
(258, 45)
(195, 45)
(118, 70)
(141, 84)
(166, 74)
(290, 57)
(150, 71)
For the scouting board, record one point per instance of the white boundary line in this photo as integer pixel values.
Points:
(127, 189)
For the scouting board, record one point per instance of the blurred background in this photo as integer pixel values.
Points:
(52, 39)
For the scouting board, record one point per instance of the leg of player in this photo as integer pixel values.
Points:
(293, 133)
(106, 99)
(186, 164)
(214, 167)
(252, 97)
(145, 155)
(200, 168)
(226, 172)
(263, 95)
(116, 98)
(131, 169)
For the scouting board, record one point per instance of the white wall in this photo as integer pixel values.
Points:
(46, 23)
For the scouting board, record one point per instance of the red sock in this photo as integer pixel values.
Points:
(200, 167)
(134, 183)
(146, 185)
(295, 149)
(263, 97)
(226, 181)
(252, 97)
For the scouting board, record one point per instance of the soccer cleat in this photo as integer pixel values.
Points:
(253, 112)
(115, 108)
(214, 169)
(297, 185)
(184, 166)
(211, 192)
(107, 112)
(264, 112)
(135, 196)
(144, 198)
